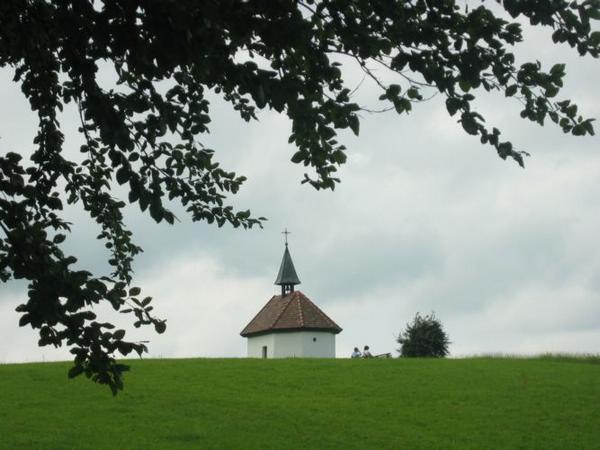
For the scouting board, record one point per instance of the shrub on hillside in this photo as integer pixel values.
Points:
(424, 337)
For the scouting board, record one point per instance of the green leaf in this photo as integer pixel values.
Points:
(551, 91)
(588, 127)
(469, 123)
(393, 91)
(413, 93)
(121, 368)
(243, 214)
(160, 326)
(354, 124)
(133, 195)
(156, 210)
(339, 157)
(326, 133)
(464, 85)
(511, 90)
(24, 320)
(557, 70)
(298, 157)
(75, 371)
(134, 291)
(594, 13)
(119, 334)
(453, 104)
(122, 175)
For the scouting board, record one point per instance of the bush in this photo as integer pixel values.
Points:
(424, 337)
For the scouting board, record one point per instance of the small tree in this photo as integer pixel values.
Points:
(424, 337)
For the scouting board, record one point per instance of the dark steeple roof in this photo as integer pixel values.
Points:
(287, 274)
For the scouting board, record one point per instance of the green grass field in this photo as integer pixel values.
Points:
(478, 403)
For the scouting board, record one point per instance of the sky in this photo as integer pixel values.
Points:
(426, 219)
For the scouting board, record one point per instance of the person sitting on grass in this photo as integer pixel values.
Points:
(356, 353)
(366, 353)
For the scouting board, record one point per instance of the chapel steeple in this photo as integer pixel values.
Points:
(290, 325)
(287, 278)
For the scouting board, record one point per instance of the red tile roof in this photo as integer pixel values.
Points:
(292, 312)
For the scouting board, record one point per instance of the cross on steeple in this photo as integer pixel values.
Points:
(286, 232)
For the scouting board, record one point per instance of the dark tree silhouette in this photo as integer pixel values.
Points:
(145, 132)
(424, 337)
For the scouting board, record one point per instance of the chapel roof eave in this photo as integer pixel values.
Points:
(292, 312)
(289, 330)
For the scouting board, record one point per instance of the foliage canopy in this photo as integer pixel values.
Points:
(145, 131)
(424, 337)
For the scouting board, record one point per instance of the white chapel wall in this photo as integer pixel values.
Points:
(295, 344)
(288, 345)
(256, 344)
(322, 347)
(305, 344)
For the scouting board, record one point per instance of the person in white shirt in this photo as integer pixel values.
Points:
(356, 353)
(366, 353)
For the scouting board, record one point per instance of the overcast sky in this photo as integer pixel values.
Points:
(425, 219)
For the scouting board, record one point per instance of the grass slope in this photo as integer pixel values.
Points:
(479, 403)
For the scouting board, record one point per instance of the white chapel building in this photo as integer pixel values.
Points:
(290, 325)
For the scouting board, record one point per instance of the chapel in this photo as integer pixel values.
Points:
(290, 324)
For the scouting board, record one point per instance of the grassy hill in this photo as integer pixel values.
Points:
(479, 403)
